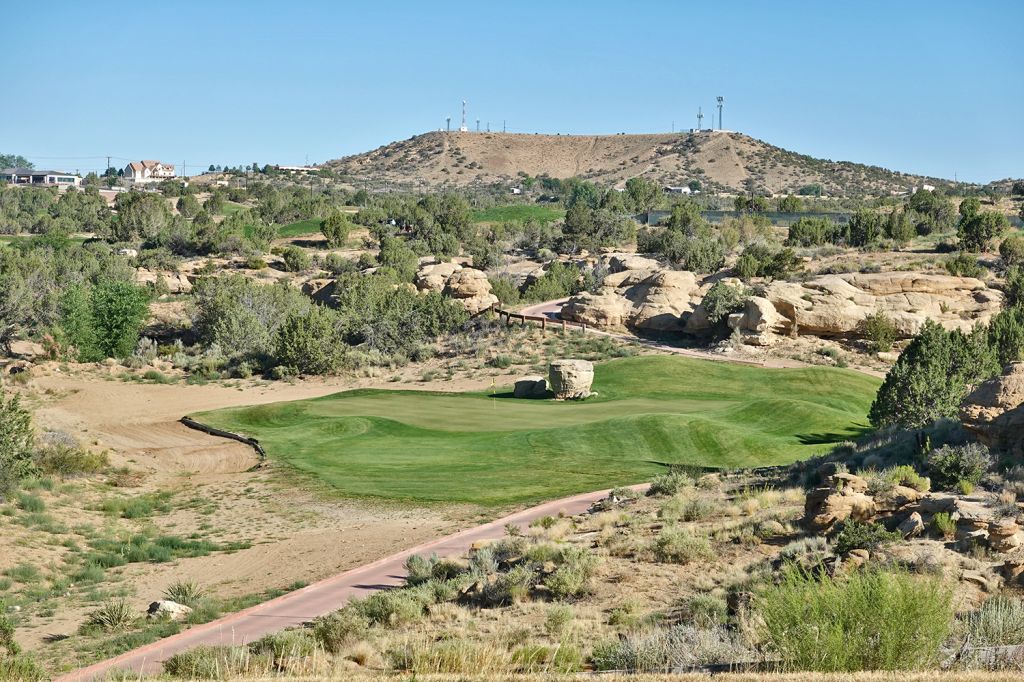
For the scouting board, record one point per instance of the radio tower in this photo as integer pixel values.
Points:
(720, 100)
(463, 128)
(700, 118)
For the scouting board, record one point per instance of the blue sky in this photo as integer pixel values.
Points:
(926, 87)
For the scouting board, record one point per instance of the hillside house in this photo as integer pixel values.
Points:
(148, 171)
(30, 176)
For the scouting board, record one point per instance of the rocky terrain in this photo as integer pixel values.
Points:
(721, 161)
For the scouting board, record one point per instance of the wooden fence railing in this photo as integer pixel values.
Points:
(509, 316)
(251, 442)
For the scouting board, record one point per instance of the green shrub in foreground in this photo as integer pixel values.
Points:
(857, 535)
(870, 620)
(952, 464)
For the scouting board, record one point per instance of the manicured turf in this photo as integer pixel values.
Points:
(231, 207)
(519, 212)
(300, 228)
(496, 450)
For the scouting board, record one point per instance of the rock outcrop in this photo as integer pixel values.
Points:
(531, 387)
(176, 283)
(468, 286)
(843, 496)
(995, 411)
(651, 300)
(835, 305)
(759, 322)
(571, 379)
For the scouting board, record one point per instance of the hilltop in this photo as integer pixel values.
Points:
(722, 161)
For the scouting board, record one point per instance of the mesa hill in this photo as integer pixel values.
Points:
(722, 161)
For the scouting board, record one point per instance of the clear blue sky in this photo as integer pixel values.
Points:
(925, 87)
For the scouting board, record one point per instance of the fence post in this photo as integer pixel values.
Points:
(543, 324)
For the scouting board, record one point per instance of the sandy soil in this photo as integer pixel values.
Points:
(297, 531)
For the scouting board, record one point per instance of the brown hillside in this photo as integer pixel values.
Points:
(722, 161)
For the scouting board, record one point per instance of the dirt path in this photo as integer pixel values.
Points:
(323, 597)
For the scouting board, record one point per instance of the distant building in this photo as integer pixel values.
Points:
(298, 169)
(677, 190)
(29, 176)
(148, 171)
(516, 190)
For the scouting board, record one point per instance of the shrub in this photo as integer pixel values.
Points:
(706, 611)
(669, 484)
(309, 341)
(858, 535)
(23, 573)
(952, 464)
(185, 592)
(279, 646)
(340, 629)
(572, 578)
(964, 265)
(870, 620)
(30, 503)
(509, 587)
(16, 440)
(879, 330)
(999, 622)
(722, 300)
(391, 607)
(113, 615)
(661, 650)
(296, 259)
(209, 663)
(1012, 250)
(679, 546)
(558, 619)
(67, 460)
(944, 524)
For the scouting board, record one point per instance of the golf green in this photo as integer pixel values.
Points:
(491, 449)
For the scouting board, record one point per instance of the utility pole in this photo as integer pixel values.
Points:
(108, 165)
(502, 125)
(720, 101)
(478, 125)
(448, 124)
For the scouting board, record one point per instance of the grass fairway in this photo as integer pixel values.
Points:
(300, 228)
(520, 213)
(496, 450)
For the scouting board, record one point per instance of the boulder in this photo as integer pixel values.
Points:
(759, 322)
(1003, 535)
(912, 526)
(472, 289)
(617, 262)
(857, 557)
(571, 379)
(654, 300)
(531, 387)
(994, 411)
(897, 498)
(841, 499)
(434, 276)
(26, 350)
(1013, 569)
(167, 610)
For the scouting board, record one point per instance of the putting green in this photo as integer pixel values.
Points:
(495, 450)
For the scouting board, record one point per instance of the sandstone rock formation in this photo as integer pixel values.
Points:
(468, 286)
(759, 322)
(571, 379)
(26, 350)
(835, 305)
(176, 283)
(995, 411)
(652, 300)
(842, 497)
(531, 387)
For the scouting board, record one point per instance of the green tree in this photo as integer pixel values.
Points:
(899, 227)
(395, 255)
(643, 193)
(970, 206)
(880, 331)
(978, 230)
(188, 206)
(931, 377)
(296, 259)
(118, 310)
(310, 342)
(1006, 335)
(865, 228)
(790, 204)
(140, 216)
(15, 161)
(1012, 250)
(76, 324)
(16, 441)
(335, 229)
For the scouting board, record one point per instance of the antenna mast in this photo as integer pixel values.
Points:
(720, 101)
(700, 118)
(463, 128)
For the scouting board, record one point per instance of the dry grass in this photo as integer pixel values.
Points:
(694, 677)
